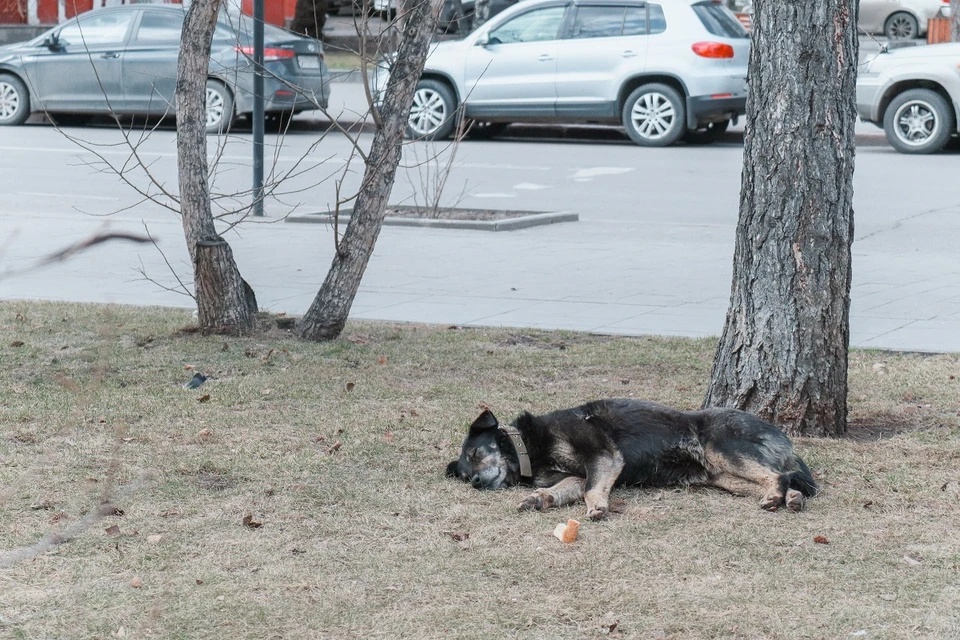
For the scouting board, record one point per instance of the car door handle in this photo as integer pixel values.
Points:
(545, 57)
(628, 54)
(112, 54)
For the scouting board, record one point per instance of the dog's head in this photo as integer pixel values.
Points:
(486, 460)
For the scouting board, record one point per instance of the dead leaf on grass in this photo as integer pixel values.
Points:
(204, 398)
(56, 517)
(820, 540)
(16, 343)
(350, 386)
(189, 367)
(248, 521)
(204, 434)
(389, 436)
(382, 360)
(113, 530)
(458, 536)
(333, 448)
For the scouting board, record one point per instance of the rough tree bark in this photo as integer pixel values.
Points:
(783, 351)
(225, 302)
(309, 16)
(327, 315)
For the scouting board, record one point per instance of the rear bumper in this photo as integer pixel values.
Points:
(704, 109)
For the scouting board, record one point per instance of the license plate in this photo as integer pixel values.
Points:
(309, 62)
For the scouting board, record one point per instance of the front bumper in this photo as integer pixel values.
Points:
(869, 90)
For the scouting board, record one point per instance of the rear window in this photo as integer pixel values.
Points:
(719, 21)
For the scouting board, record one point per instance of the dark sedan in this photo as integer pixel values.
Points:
(123, 60)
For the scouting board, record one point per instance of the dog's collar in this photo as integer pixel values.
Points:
(526, 471)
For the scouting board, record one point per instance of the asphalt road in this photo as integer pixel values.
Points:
(651, 253)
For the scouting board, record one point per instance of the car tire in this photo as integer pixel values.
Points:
(901, 26)
(485, 130)
(14, 101)
(654, 115)
(219, 107)
(919, 121)
(433, 114)
(707, 134)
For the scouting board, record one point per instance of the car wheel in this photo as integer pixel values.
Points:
(485, 130)
(654, 115)
(432, 113)
(918, 121)
(901, 26)
(219, 110)
(14, 101)
(707, 134)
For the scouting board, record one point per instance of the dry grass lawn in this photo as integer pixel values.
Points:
(338, 451)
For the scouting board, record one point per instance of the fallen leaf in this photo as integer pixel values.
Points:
(610, 628)
(225, 347)
(155, 538)
(136, 583)
(189, 367)
(820, 540)
(413, 413)
(16, 343)
(199, 580)
(56, 517)
(248, 521)
(350, 386)
(113, 530)
(909, 397)
(458, 536)
(389, 436)
(334, 447)
(204, 434)
(382, 360)
(204, 398)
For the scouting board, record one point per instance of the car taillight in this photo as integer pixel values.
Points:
(270, 54)
(712, 50)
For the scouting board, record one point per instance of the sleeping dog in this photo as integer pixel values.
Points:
(582, 453)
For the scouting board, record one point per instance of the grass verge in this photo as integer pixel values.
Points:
(337, 451)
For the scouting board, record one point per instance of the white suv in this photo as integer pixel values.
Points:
(666, 70)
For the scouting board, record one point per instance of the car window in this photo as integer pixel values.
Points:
(656, 23)
(103, 28)
(532, 26)
(598, 22)
(719, 20)
(635, 21)
(159, 27)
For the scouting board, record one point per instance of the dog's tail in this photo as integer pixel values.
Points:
(802, 480)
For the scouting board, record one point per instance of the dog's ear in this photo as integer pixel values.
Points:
(484, 422)
(452, 469)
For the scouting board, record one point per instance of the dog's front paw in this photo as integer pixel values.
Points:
(597, 513)
(537, 501)
(771, 502)
(795, 500)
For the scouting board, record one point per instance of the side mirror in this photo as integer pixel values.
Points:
(482, 40)
(52, 42)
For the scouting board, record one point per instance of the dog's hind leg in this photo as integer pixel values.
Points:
(754, 480)
(567, 491)
(602, 473)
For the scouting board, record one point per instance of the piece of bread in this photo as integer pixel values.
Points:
(567, 532)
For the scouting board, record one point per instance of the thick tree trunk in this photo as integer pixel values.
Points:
(783, 352)
(954, 20)
(225, 302)
(326, 317)
(309, 16)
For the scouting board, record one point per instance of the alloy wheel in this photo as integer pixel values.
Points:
(9, 101)
(916, 122)
(214, 108)
(653, 115)
(429, 111)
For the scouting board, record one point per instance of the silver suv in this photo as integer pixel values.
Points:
(666, 70)
(914, 94)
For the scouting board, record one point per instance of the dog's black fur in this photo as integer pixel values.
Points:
(583, 452)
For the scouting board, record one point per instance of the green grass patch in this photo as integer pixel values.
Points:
(337, 451)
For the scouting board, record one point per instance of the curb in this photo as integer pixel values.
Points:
(510, 224)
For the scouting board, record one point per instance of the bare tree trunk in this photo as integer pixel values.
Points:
(225, 302)
(783, 352)
(954, 20)
(309, 16)
(326, 317)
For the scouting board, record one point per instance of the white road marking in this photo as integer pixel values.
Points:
(593, 172)
(494, 195)
(530, 186)
(508, 167)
